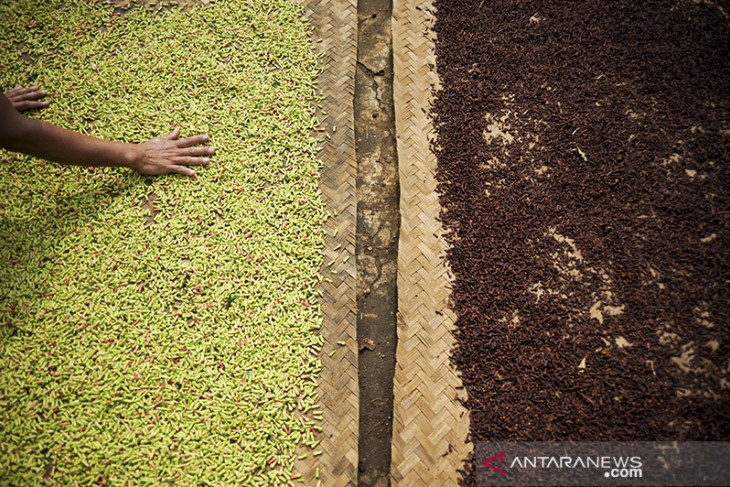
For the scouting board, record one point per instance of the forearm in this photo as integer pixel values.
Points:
(160, 155)
(54, 143)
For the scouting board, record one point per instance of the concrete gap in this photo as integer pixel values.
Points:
(376, 239)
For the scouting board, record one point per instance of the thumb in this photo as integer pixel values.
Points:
(172, 135)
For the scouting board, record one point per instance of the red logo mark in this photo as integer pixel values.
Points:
(487, 462)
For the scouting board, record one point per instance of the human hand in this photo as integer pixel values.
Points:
(167, 154)
(26, 98)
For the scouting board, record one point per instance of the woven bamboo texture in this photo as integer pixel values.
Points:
(335, 25)
(430, 425)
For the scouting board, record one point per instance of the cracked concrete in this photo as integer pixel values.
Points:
(377, 238)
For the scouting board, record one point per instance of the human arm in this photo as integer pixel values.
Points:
(159, 155)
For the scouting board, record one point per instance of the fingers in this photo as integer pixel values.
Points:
(15, 91)
(26, 98)
(29, 93)
(29, 105)
(194, 140)
(181, 163)
(22, 90)
(193, 156)
(185, 171)
(198, 151)
(172, 135)
(192, 161)
(167, 154)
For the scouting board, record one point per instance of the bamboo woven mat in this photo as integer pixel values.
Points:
(335, 23)
(430, 425)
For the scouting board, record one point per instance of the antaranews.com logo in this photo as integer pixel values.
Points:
(612, 467)
(602, 463)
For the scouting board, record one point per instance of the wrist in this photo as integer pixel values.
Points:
(131, 156)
